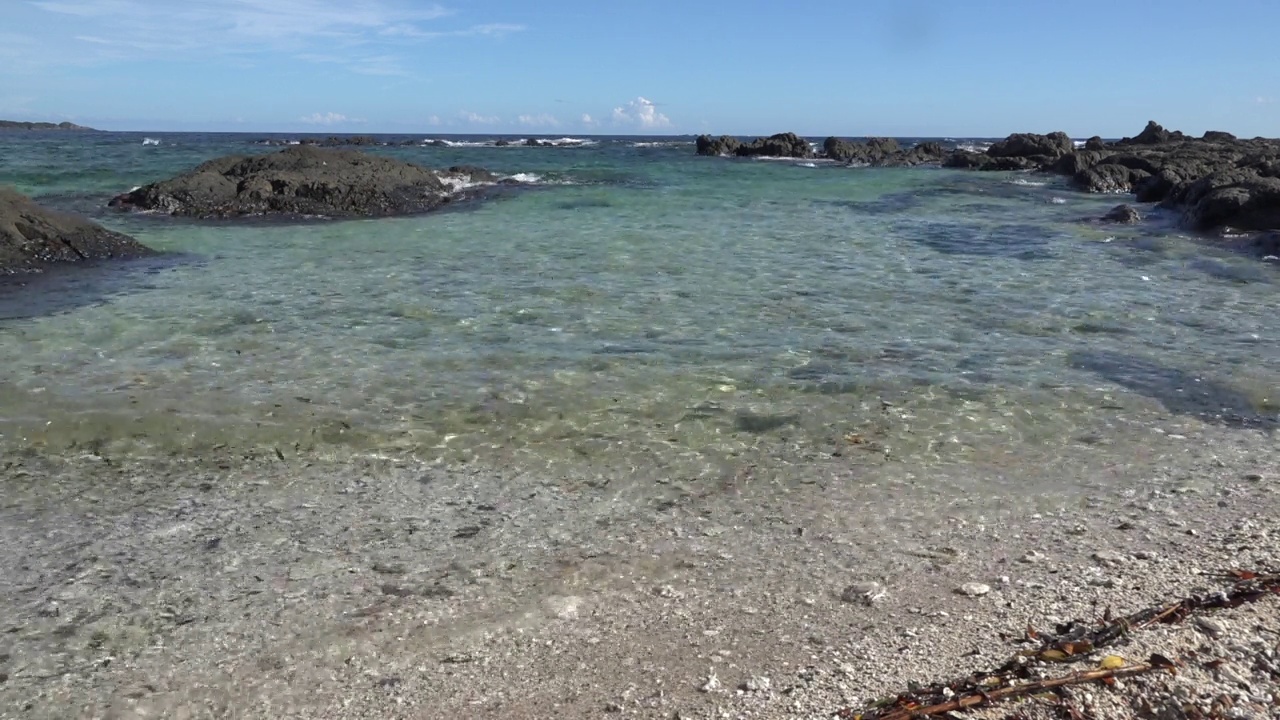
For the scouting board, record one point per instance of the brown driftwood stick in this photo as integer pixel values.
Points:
(1076, 643)
(1030, 688)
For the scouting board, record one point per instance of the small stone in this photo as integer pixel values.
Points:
(1145, 555)
(864, 592)
(1110, 557)
(389, 568)
(974, 589)
(668, 592)
(1033, 557)
(564, 607)
(1209, 627)
(467, 531)
(612, 707)
(757, 683)
(711, 685)
(1253, 477)
(1103, 582)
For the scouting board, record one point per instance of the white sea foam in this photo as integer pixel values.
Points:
(974, 147)
(458, 183)
(529, 178)
(1057, 201)
(1027, 183)
(567, 142)
(150, 141)
(671, 143)
(1079, 143)
(807, 164)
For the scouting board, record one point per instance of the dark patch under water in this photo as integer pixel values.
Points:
(1181, 392)
(64, 288)
(1021, 241)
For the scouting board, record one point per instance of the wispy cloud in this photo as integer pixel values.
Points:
(329, 118)
(366, 36)
(535, 121)
(587, 120)
(641, 113)
(1264, 100)
(472, 118)
(497, 30)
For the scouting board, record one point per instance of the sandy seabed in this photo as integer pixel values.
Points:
(391, 588)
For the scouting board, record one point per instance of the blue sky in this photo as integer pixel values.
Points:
(817, 67)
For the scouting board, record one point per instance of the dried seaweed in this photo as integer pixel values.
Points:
(1070, 642)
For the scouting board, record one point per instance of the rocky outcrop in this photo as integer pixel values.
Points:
(1030, 145)
(1152, 134)
(881, 152)
(1216, 180)
(33, 237)
(304, 181)
(779, 145)
(723, 145)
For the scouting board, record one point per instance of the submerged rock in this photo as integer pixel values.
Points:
(32, 237)
(1124, 215)
(303, 181)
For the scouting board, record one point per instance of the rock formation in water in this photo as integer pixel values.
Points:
(32, 237)
(1214, 181)
(874, 151)
(304, 181)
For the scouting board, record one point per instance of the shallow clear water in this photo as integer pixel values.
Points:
(640, 307)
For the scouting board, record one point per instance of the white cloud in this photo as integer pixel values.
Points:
(477, 119)
(435, 121)
(329, 118)
(588, 120)
(641, 113)
(1263, 100)
(542, 120)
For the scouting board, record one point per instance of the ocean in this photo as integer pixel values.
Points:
(631, 310)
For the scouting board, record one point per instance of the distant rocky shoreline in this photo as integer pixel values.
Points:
(1216, 182)
(17, 125)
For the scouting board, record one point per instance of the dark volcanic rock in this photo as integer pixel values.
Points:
(1031, 145)
(780, 145)
(1124, 215)
(723, 145)
(1217, 180)
(969, 160)
(1239, 199)
(299, 181)
(881, 152)
(32, 236)
(1153, 134)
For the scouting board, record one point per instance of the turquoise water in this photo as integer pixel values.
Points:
(634, 306)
